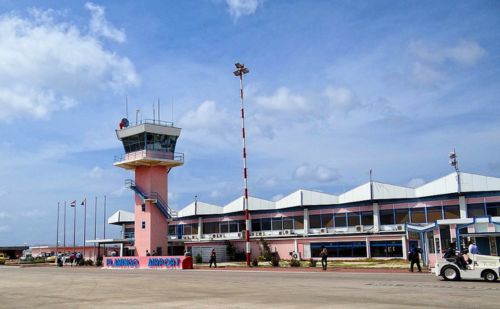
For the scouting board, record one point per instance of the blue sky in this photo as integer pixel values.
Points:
(335, 88)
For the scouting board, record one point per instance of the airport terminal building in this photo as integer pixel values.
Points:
(373, 220)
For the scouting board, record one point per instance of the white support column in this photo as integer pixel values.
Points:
(200, 228)
(405, 250)
(376, 218)
(368, 252)
(306, 221)
(463, 207)
(121, 249)
(295, 247)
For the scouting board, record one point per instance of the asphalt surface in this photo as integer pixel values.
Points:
(91, 287)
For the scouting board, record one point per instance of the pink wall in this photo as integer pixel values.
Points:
(150, 179)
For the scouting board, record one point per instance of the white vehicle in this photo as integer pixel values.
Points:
(482, 267)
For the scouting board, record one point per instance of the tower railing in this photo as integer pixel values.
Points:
(150, 121)
(150, 154)
(158, 201)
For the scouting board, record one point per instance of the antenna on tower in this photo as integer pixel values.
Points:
(159, 110)
(154, 113)
(126, 106)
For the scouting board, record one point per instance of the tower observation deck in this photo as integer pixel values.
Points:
(149, 142)
(150, 152)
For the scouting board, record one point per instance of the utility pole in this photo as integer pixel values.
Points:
(240, 71)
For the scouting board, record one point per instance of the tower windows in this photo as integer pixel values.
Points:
(143, 224)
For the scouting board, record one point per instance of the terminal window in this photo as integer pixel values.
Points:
(391, 248)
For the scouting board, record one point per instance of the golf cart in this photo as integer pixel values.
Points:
(482, 267)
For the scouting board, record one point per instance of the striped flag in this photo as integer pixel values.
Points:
(73, 204)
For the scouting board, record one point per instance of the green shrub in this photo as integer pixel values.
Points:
(265, 250)
(198, 259)
(98, 263)
(240, 256)
(261, 258)
(230, 250)
(294, 263)
(312, 263)
(255, 262)
(275, 259)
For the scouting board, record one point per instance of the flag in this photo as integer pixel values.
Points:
(84, 203)
(73, 204)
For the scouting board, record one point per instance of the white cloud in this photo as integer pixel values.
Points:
(95, 172)
(100, 26)
(284, 101)
(464, 52)
(4, 228)
(238, 8)
(32, 213)
(416, 182)
(119, 192)
(269, 182)
(48, 65)
(3, 215)
(319, 173)
(341, 98)
(425, 75)
(209, 125)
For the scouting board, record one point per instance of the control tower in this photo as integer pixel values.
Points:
(150, 152)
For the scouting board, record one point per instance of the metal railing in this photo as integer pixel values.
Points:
(151, 121)
(160, 203)
(150, 154)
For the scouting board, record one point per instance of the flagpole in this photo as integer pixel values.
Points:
(95, 226)
(84, 225)
(74, 228)
(64, 236)
(57, 232)
(104, 227)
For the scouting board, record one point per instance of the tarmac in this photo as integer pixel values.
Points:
(86, 287)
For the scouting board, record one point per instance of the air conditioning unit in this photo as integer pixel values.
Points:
(322, 231)
(220, 235)
(214, 235)
(260, 234)
(185, 237)
(287, 232)
(400, 228)
(239, 235)
(280, 233)
(253, 234)
(359, 228)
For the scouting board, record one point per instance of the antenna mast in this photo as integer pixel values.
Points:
(126, 106)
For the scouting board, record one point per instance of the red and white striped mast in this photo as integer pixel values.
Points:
(240, 71)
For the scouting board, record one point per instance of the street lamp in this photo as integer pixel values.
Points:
(240, 71)
(454, 162)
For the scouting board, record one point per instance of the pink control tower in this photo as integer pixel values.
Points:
(150, 152)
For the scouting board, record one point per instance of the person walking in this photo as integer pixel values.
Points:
(415, 258)
(147, 253)
(324, 257)
(213, 258)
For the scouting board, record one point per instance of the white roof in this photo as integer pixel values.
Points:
(381, 191)
(121, 217)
